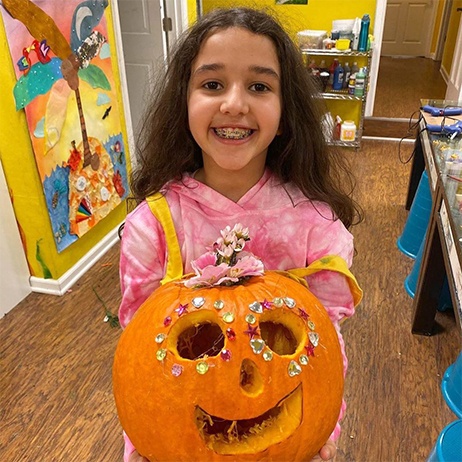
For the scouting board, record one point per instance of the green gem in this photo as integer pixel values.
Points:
(267, 355)
(278, 302)
(250, 318)
(228, 317)
(304, 360)
(161, 354)
(202, 367)
(311, 325)
(219, 304)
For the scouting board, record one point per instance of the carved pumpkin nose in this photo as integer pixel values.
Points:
(250, 381)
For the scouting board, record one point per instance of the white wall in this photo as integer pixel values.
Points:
(14, 272)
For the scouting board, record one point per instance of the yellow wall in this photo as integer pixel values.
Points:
(450, 44)
(24, 183)
(436, 29)
(317, 14)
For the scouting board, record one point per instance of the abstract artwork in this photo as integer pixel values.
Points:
(63, 61)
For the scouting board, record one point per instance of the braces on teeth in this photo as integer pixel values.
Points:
(232, 133)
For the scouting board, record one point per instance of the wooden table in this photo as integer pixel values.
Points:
(442, 253)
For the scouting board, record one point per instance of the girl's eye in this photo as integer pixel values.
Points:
(259, 87)
(212, 86)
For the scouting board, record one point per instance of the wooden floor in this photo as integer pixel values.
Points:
(56, 353)
(403, 82)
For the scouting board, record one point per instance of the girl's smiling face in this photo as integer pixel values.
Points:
(234, 101)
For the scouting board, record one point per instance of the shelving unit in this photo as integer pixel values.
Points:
(357, 104)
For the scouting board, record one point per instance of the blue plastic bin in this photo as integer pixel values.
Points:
(417, 221)
(410, 283)
(448, 447)
(451, 386)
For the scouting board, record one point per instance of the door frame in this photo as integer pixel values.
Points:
(456, 69)
(178, 12)
(379, 22)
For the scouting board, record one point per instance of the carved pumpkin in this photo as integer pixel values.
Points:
(251, 372)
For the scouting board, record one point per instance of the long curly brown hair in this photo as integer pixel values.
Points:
(166, 148)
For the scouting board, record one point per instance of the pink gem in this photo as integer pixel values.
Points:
(225, 355)
(309, 349)
(182, 309)
(167, 321)
(177, 369)
(251, 331)
(266, 304)
(230, 334)
(303, 314)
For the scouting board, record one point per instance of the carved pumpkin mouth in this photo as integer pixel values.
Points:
(250, 436)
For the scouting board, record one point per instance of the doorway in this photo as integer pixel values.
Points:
(419, 75)
(407, 70)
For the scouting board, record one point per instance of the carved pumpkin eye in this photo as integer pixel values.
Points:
(199, 340)
(282, 331)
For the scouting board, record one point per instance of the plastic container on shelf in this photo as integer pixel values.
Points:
(360, 83)
(311, 39)
(339, 74)
(343, 44)
(364, 33)
(346, 77)
(348, 131)
(343, 25)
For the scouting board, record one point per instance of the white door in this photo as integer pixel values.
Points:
(454, 89)
(407, 27)
(143, 46)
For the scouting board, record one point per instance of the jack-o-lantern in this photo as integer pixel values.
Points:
(248, 368)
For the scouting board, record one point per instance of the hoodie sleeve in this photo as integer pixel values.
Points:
(142, 260)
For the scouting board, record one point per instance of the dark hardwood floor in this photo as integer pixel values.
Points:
(56, 353)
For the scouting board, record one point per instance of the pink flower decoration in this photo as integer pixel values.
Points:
(247, 266)
(227, 263)
(208, 276)
(207, 259)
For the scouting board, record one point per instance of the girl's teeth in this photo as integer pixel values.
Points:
(233, 133)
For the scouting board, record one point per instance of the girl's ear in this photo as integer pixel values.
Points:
(279, 132)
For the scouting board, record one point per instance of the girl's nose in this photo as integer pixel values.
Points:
(235, 101)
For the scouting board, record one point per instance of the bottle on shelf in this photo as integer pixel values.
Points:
(360, 82)
(346, 75)
(348, 131)
(339, 74)
(312, 66)
(356, 31)
(332, 67)
(364, 33)
(322, 66)
(352, 80)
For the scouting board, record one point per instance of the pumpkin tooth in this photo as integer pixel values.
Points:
(231, 437)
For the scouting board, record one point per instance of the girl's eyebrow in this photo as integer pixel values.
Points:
(269, 71)
(265, 70)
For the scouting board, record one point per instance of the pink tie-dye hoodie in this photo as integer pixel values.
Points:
(286, 231)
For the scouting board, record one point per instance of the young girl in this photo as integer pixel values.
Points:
(234, 136)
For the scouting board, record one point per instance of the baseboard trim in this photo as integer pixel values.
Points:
(382, 138)
(390, 119)
(69, 278)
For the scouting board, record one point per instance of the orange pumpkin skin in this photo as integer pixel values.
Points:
(162, 412)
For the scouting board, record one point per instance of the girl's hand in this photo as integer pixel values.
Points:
(327, 452)
(135, 457)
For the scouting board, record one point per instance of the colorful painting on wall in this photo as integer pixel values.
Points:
(66, 86)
